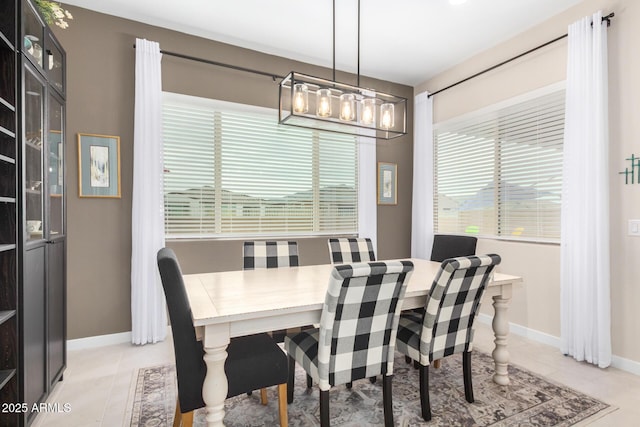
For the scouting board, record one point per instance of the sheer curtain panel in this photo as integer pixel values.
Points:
(585, 300)
(148, 313)
(422, 210)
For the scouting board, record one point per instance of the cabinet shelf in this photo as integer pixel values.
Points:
(6, 43)
(7, 199)
(6, 315)
(7, 104)
(5, 376)
(7, 132)
(4, 248)
(7, 159)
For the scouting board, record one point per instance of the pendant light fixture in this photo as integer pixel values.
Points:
(317, 103)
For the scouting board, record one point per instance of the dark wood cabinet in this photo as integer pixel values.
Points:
(32, 210)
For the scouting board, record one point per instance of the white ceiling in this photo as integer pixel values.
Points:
(404, 41)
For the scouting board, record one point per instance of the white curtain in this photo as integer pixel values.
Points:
(422, 207)
(367, 201)
(148, 313)
(585, 300)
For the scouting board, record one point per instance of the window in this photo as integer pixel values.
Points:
(232, 171)
(498, 172)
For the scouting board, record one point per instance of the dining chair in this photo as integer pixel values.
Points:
(253, 362)
(446, 328)
(351, 249)
(357, 331)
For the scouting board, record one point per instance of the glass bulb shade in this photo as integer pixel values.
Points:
(347, 107)
(323, 103)
(386, 116)
(300, 98)
(368, 115)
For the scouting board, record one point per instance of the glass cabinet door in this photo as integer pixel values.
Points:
(33, 35)
(55, 166)
(55, 64)
(34, 91)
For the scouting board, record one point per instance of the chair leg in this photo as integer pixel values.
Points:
(424, 393)
(309, 381)
(290, 379)
(437, 363)
(466, 370)
(263, 396)
(407, 359)
(372, 380)
(282, 404)
(187, 419)
(349, 385)
(177, 418)
(387, 400)
(324, 408)
(416, 365)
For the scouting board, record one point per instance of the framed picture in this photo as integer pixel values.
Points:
(387, 184)
(98, 165)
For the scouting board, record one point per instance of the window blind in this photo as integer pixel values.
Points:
(231, 170)
(499, 172)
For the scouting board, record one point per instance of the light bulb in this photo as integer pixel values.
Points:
(368, 111)
(323, 103)
(386, 116)
(300, 98)
(347, 107)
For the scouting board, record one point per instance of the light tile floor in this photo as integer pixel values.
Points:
(98, 381)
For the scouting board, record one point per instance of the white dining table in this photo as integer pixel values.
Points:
(237, 303)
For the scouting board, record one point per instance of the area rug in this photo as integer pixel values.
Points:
(529, 400)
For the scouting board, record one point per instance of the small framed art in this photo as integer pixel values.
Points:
(387, 183)
(98, 165)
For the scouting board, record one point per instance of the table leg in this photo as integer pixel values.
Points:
(500, 326)
(214, 390)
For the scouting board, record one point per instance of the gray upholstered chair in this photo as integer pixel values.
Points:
(446, 328)
(451, 246)
(344, 250)
(253, 361)
(357, 331)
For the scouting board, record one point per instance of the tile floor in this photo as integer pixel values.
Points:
(98, 381)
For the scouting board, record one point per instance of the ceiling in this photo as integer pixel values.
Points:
(403, 41)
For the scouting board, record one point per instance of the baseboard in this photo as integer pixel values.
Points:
(617, 362)
(99, 341)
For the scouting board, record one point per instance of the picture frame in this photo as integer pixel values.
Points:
(387, 183)
(98, 165)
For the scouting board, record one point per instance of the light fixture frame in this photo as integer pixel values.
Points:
(287, 115)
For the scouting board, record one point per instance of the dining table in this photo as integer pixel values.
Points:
(230, 304)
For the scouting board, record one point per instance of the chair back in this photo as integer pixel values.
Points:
(359, 321)
(452, 306)
(344, 250)
(449, 246)
(190, 365)
(269, 254)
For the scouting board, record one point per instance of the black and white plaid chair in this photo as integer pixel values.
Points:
(357, 331)
(269, 254)
(345, 250)
(446, 328)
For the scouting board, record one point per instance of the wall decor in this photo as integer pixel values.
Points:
(631, 170)
(387, 183)
(98, 165)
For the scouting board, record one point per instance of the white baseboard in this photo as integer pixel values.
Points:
(617, 362)
(98, 341)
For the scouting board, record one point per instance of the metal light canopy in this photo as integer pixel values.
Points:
(317, 103)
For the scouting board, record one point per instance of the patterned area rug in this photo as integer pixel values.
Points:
(529, 400)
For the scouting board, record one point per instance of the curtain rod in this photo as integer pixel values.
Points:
(219, 64)
(604, 18)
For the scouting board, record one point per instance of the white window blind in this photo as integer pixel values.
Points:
(499, 172)
(231, 170)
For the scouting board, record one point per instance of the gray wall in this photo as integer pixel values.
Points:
(100, 81)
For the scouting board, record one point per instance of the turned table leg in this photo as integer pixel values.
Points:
(500, 326)
(214, 390)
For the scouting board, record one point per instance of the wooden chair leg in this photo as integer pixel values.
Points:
(466, 370)
(291, 379)
(177, 418)
(263, 396)
(187, 419)
(309, 381)
(437, 363)
(407, 359)
(387, 400)
(324, 408)
(349, 385)
(372, 380)
(424, 393)
(282, 405)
